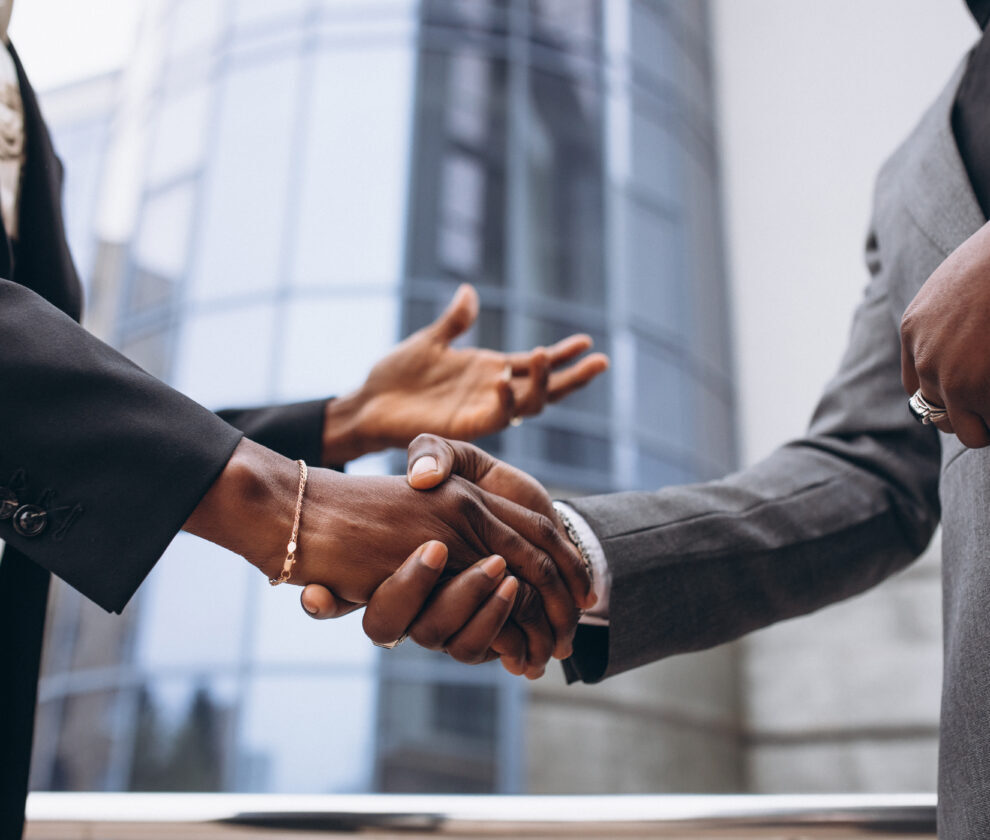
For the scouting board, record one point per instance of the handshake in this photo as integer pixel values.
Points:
(506, 583)
(465, 554)
(490, 572)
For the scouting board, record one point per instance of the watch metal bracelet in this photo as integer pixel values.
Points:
(576, 539)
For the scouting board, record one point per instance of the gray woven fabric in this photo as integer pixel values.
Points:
(839, 510)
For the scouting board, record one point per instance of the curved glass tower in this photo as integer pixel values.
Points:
(313, 180)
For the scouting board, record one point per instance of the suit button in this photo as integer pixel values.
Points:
(30, 520)
(8, 503)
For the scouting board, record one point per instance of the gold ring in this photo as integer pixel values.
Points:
(516, 422)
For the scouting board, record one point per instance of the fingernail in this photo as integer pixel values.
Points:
(507, 589)
(590, 600)
(434, 555)
(309, 609)
(493, 567)
(426, 464)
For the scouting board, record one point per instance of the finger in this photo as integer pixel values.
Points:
(909, 374)
(531, 392)
(397, 602)
(566, 567)
(535, 566)
(511, 648)
(931, 392)
(430, 461)
(460, 314)
(473, 642)
(452, 608)
(568, 348)
(528, 615)
(564, 382)
(320, 603)
(968, 426)
(448, 457)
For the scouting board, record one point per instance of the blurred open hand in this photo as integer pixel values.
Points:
(427, 385)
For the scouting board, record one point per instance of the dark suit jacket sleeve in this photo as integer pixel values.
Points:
(294, 430)
(821, 519)
(117, 458)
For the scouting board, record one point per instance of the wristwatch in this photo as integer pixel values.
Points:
(576, 539)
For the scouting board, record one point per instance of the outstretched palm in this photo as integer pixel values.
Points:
(426, 385)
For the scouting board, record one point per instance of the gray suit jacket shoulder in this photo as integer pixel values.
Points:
(837, 511)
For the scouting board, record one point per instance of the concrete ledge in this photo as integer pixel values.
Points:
(97, 816)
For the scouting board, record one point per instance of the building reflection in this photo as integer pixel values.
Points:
(314, 180)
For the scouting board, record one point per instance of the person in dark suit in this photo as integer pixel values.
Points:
(101, 464)
(833, 513)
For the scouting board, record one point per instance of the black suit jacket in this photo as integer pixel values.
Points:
(100, 463)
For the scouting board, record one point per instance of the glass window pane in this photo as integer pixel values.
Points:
(565, 189)
(328, 346)
(210, 627)
(182, 735)
(224, 359)
(457, 215)
(245, 190)
(662, 411)
(343, 647)
(654, 155)
(163, 238)
(180, 134)
(323, 746)
(353, 190)
(195, 23)
(656, 266)
(257, 12)
(437, 737)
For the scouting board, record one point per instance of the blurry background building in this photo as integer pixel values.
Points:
(264, 197)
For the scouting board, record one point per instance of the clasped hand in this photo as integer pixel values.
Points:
(467, 615)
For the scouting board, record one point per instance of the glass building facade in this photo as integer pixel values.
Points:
(317, 177)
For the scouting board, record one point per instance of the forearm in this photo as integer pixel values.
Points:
(694, 567)
(115, 458)
(249, 508)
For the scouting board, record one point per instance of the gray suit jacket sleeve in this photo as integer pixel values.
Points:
(821, 519)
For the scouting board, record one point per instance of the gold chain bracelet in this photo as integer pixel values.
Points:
(290, 556)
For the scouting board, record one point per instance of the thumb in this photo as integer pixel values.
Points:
(319, 602)
(459, 315)
(432, 459)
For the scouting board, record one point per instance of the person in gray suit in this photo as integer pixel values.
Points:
(830, 515)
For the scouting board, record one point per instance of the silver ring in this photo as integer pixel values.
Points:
(516, 422)
(391, 645)
(925, 412)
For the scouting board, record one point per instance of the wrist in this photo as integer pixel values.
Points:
(352, 426)
(249, 508)
(345, 433)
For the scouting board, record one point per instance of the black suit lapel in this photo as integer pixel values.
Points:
(43, 260)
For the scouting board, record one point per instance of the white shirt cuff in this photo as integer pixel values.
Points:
(601, 574)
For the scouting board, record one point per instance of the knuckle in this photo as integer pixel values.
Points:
(468, 653)
(907, 325)
(428, 634)
(529, 607)
(544, 570)
(546, 529)
(424, 440)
